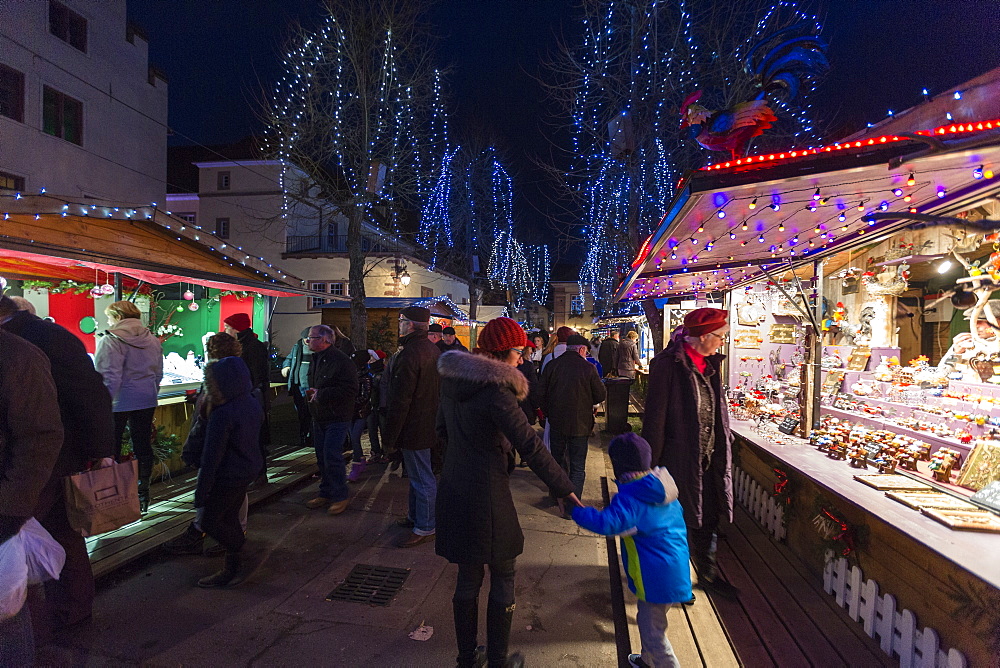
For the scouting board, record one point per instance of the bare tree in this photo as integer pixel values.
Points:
(622, 90)
(357, 120)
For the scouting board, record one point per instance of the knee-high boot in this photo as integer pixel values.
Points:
(466, 612)
(145, 472)
(498, 621)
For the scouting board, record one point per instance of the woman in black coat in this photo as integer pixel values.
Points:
(481, 422)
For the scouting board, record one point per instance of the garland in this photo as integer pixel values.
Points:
(782, 490)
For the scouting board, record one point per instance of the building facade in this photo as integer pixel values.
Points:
(242, 202)
(82, 113)
(570, 308)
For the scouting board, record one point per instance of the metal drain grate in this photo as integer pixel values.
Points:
(370, 584)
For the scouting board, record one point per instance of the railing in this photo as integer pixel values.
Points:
(333, 244)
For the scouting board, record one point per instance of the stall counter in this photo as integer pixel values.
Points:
(938, 573)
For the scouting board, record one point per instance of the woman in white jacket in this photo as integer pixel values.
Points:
(130, 358)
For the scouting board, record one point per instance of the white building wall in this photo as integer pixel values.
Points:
(123, 156)
(253, 202)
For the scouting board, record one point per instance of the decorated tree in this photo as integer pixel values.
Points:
(357, 119)
(624, 89)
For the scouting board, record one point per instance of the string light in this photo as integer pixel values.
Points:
(911, 180)
(752, 204)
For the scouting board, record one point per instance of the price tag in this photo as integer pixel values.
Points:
(788, 425)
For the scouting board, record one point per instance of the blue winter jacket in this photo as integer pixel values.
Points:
(231, 455)
(649, 519)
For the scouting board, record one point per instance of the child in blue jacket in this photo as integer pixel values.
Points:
(649, 519)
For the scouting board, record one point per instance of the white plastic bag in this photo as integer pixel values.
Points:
(13, 577)
(44, 556)
(30, 557)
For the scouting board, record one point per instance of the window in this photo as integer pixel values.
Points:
(426, 293)
(189, 218)
(223, 182)
(11, 182)
(62, 116)
(338, 288)
(222, 228)
(67, 25)
(576, 306)
(11, 93)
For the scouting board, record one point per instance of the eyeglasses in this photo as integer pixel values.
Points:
(516, 350)
(721, 337)
(313, 338)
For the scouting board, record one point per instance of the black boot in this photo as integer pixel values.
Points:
(145, 472)
(498, 620)
(466, 614)
(192, 541)
(227, 576)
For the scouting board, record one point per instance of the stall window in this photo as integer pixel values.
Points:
(62, 116)
(223, 181)
(222, 228)
(11, 93)
(67, 25)
(11, 182)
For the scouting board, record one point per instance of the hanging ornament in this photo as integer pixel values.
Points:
(107, 289)
(188, 295)
(96, 291)
(193, 306)
(180, 308)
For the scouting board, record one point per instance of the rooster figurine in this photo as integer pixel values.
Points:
(779, 63)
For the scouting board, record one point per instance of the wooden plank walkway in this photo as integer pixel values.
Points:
(782, 617)
(171, 509)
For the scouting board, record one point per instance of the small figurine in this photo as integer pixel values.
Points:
(836, 451)
(858, 457)
(886, 463)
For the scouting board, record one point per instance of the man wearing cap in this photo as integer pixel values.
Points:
(568, 390)
(255, 355)
(687, 426)
(434, 333)
(449, 341)
(411, 417)
(562, 335)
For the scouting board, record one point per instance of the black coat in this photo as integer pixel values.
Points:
(531, 403)
(568, 390)
(84, 402)
(456, 345)
(412, 397)
(671, 426)
(482, 424)
(335, 378)
(608, 356)
(255, 356)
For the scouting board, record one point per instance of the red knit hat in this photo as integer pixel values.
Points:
(501, 334)
(238, 321)
(704, 320)
(563, 333)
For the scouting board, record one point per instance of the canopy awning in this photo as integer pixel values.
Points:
(794, 207)
(52, 237)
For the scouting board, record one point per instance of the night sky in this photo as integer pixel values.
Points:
(221, 57)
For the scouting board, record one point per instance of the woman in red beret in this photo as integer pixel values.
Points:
(687, 426)
(477, 525)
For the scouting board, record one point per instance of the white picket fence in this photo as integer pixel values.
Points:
(759, 503)
(896, 632)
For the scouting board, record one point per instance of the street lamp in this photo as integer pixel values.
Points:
(404, 278)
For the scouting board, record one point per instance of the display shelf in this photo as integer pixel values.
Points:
(874, 422)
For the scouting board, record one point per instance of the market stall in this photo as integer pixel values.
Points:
(383, 316)
(71, 259)
(861, 367)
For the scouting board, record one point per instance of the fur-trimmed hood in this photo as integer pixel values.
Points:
(472, 373)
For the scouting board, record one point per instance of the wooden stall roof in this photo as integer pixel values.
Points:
(44, 233)
(790, 208)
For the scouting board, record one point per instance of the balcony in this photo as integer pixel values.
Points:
(334, 244)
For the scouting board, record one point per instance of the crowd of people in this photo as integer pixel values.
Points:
(458, 423)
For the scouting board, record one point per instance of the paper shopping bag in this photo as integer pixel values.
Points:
(103, 499)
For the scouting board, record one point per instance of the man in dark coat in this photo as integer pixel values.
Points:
(449, 341)
(569, 389)
(411, 413)
(608, 354)
(296, 369)
(31, 435)
(333, 388)
(687, 426)
(255, 355)
(89, 428)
